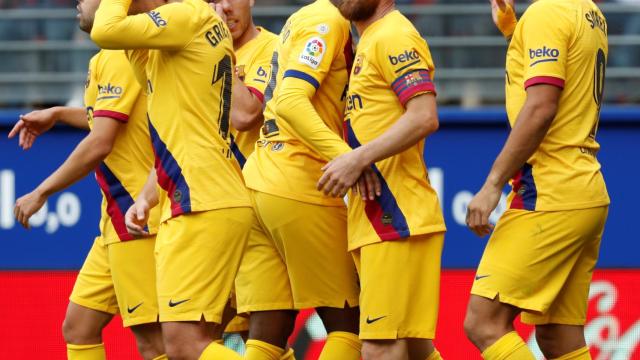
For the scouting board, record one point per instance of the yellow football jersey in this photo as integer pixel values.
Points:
(390, 68)
(315, 46)
(112, 91)
(254, 68)
(562, 43)
(189, 82)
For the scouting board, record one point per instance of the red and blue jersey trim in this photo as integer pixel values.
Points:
(118, 199)
(524, 189)
(385, 215)
(411, 83)
(302, 76)
(170, 176)
(235, 150)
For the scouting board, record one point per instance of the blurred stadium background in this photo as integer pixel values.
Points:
(43, 62)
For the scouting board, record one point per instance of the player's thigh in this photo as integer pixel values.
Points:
(262, 283)
(400, 287)
(197, 258)
(133, 270)
(570, 305)
(93, 288)
(312, 240)
(530, 256)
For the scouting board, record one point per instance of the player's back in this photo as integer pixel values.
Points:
(561, 43)
(189, 105)
(314, 46)
(112, 91)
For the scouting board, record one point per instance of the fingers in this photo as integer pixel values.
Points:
(16, 129)
(478, 221)
(135, 224)
(21, 216)
(501, 4)
(323, 180)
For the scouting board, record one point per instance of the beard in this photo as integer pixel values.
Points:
(356, 10)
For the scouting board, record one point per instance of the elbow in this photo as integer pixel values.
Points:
(428, 125)
(101, 35)
(100, 148)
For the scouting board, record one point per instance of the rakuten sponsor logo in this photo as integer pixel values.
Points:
(66, 211)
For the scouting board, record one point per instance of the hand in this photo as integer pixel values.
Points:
(368, 185)
(217, 7)
(480, 209)
(137, 217)
(32, 125)
(28, 205)
(342, 173)
(504, 16)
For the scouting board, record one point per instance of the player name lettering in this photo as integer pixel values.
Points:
(217, 33)
(596, 20)
(404, 57)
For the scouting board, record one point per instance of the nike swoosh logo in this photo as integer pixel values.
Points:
(478, 277)
(172, 304)
(130, 310)
(371, 321)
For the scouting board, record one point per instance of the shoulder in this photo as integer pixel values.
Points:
(550, 10)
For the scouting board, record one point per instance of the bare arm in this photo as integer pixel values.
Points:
(246, 112)
(530, 128)
(419, 120)
(85, 157)
(137, 215)
(37, 122)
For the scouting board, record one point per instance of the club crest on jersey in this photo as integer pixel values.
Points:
(413, 79)
(357, 64)
(313, 52)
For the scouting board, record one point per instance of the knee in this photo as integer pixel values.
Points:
(149, 348)
(273, 327)
(75, 332)
(384, 349)
(479, 330)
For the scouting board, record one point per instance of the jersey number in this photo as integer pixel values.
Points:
(598, 87)
(223, 72)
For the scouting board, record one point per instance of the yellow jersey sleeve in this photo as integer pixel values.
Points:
(405, 63)
(169, 26)
(118, 91)
(138, 59)
(314, 46)
(546, 37)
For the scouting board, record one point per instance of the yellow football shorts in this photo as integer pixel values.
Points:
(400, 287)
(119, 277)
(296, 258)
(238, 324)
(542, 263)
(197, 258)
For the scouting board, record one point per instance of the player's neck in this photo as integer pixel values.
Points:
(383, 9)
(251, 33)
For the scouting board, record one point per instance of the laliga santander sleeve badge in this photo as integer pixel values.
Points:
(313, 52)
